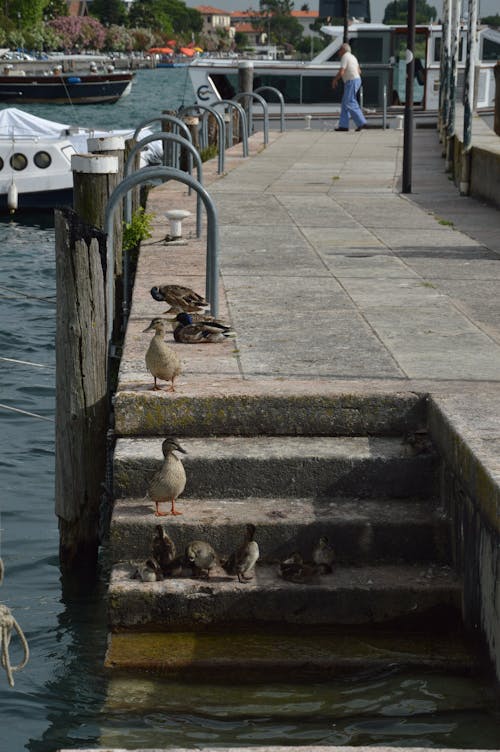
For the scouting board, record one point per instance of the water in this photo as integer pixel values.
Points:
(63, 698)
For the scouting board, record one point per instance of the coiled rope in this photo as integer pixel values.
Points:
(7, 625)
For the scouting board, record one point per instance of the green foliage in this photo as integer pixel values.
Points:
(55, 8)
(396, 12)
(493, 21)
(209, 152)
(25, 13)
(276, 16)
(167, 16)
(109, 11)
(138, 229)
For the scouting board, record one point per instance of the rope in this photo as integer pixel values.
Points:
(27, 363)
(25, 412)
(25, 295)
(7, 625)
(1, 571)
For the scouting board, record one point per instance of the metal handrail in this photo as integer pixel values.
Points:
(243, 122)
(281, 99)
(161, 119)
(212, 255)
(265, 111)
(221, 132)
(183, 142)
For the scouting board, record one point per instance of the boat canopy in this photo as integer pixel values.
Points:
(15, 122)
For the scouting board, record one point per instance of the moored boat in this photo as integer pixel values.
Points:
(306, 85)
(58, 87)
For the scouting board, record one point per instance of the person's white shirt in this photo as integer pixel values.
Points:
(350, 65)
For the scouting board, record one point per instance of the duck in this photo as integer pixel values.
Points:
(204, 331)
(169, 482)
(294, 569)
(323, 555)
(243, 560)
(201, 557)
(180, 298)
(164, 552)
(161, 361)
(149, 571)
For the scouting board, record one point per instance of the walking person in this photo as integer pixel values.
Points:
(350, 73)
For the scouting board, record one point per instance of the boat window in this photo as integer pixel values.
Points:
(1, 163)
(491, 50)
(18, 161)
(42, 159)
(368, 49)
(437, 49)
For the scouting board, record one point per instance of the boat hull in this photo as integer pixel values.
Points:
(80, 89)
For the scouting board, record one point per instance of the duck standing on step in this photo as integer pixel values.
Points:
(161, 361)
(202, 332)
(202, 558)
(169, 482)
(180, 298)
(165, 553)
(242, 562)
(323, 555)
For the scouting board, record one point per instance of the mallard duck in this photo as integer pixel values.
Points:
(323, 555)
(169, 482)
(204, 331)
(201, 557)
(164, 552)
(150, 571)
(295, 569)
(244, 559)
(161, 361)
(180, 298)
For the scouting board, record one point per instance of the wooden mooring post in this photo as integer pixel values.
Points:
(81, 388)
(82, 374)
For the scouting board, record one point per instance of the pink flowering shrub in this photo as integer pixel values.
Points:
(79, 32)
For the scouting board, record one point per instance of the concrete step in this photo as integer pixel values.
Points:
(296, 466)
(350, 595)
(360, 530)
(210, 410)
(276, 655)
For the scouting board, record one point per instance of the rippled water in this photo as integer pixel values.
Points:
(63, 697)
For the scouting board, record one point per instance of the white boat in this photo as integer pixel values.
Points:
(306, 86)
(35, 159)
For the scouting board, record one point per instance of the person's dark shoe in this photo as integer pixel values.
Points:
(360, 128)
(341, 129)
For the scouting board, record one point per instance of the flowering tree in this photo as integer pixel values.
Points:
(79, 32)
(118, 38)
(143, 38)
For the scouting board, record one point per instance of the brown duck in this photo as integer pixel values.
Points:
(169, 482)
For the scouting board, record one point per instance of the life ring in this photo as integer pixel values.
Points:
(203, 92)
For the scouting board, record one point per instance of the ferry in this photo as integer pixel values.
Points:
(380, 49)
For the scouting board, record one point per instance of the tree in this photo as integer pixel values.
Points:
(283, 28)
(54, 9)
(25, 13)
(493, 21)
(168, 16)
(396, 12)
(79, 32)
(109, 11)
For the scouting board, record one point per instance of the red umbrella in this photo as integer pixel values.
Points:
(187, 51)
(161, 51)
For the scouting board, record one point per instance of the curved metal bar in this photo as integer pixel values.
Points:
(212, 258)
(193, 153)
(281, 99)
(265, 109)
(243, 120)
(222, 129)
(171, 119)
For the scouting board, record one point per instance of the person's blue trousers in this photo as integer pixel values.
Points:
(350, 106)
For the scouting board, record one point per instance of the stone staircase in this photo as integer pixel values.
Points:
(375, 498)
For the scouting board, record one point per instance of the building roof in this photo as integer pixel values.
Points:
(246, 28)
(210, 10)
(305, 14)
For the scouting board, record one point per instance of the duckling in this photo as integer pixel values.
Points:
(294, 569)
(161, 361)
(201, 557)
(180, 298)
(169, 482)
(243, 560)
(164, 551)
(203, 332)
(323, 555)
(148, 572)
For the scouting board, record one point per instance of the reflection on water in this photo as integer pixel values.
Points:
(63, 697)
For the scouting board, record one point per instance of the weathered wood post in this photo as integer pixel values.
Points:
(81, 388)
(245, 83)
(95, 176)
(496, 124)
(192, 122)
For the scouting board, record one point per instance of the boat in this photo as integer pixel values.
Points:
(35, 159)
(380, 49)
(56, 86)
